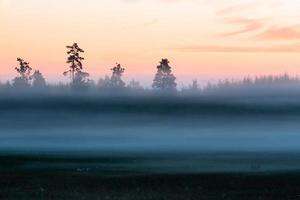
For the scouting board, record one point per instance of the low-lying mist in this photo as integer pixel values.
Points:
(120, 124)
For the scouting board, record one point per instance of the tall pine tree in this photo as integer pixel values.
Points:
(116, 81)
(78, 77)
(164, 80)
(24, 70)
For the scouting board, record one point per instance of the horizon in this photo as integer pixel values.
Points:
(147, 82)
(204, 40)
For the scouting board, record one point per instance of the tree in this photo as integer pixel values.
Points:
(116, 81)
(24, 70)
(164, 79)
(78, 77)
(38, 80)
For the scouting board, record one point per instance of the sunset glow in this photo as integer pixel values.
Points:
(203, 39)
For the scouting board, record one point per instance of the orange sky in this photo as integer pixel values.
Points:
(203, 39)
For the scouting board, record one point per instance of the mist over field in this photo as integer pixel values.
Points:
(204, 127)
(179, 129)
(161, 99)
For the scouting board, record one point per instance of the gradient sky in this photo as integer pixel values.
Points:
(203, 39)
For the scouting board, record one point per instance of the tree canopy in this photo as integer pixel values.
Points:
(78, 76)
(24, 71)
(164, 80)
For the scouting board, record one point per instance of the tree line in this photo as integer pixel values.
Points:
(164, 80)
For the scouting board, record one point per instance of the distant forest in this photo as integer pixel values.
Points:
(164, 82)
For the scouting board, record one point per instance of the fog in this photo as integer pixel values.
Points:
(152, 133)
(148, 124)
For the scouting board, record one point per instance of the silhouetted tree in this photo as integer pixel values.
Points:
(116, 78)
(38, 80)
(24, 70)
(164, 79)
(78, 77)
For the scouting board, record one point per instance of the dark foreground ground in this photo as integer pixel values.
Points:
(75, 185)
(41, 178)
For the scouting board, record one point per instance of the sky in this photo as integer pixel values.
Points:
(203, 39)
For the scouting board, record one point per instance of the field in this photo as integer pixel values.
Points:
(91, 147)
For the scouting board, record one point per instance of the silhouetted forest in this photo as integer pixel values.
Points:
(164, 82)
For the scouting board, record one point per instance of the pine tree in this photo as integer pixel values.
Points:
(38, 80)
(24, 70)
(116, 78)
(164, 79)
(78, 77)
